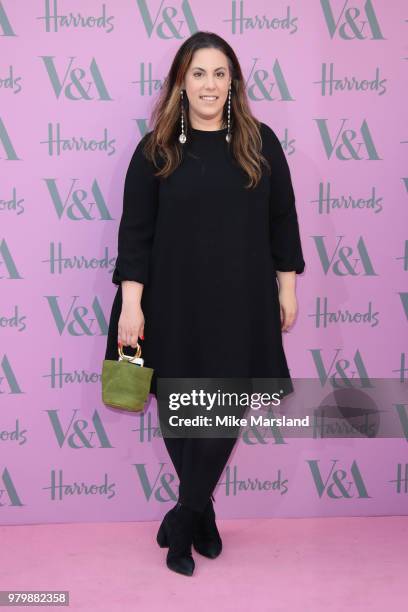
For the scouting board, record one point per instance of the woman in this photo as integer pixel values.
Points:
(209, 225)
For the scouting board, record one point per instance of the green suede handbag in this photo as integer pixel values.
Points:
(126, 382)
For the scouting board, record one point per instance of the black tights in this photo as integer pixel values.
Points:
(199, 463)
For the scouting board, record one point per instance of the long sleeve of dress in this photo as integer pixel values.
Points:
(286, 244)
(136, 228)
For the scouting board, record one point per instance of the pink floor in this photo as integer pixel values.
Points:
(330, 564)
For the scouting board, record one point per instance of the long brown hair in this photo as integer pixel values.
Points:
(246, 143)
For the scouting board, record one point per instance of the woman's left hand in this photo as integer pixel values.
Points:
(288, 308)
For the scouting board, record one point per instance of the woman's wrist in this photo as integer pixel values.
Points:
(287, 281)
(131, 293)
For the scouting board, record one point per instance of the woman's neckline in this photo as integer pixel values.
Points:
(197, 131)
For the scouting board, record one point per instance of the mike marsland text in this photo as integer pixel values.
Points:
(232, 421)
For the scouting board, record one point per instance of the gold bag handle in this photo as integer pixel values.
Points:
(129, 357)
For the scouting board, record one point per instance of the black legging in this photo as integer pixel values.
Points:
(199, 463)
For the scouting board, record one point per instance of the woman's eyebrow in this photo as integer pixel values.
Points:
(219, 68)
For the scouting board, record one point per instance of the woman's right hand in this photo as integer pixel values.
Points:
(131, 325)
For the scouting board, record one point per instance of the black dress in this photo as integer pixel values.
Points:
(207, 250)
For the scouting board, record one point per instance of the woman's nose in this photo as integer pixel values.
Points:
(210, 83)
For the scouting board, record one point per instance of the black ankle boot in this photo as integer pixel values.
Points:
(206, 538)
(176, 532)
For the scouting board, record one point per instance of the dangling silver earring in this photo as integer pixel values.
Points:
(182, 137)
(228, 135)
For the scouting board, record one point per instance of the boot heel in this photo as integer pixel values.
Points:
(162, 535)
(161, 538)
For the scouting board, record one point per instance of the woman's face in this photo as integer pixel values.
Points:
(207, 75)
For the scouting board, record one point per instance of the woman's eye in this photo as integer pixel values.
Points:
(221, 74)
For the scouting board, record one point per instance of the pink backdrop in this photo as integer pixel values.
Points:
(75, 98)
